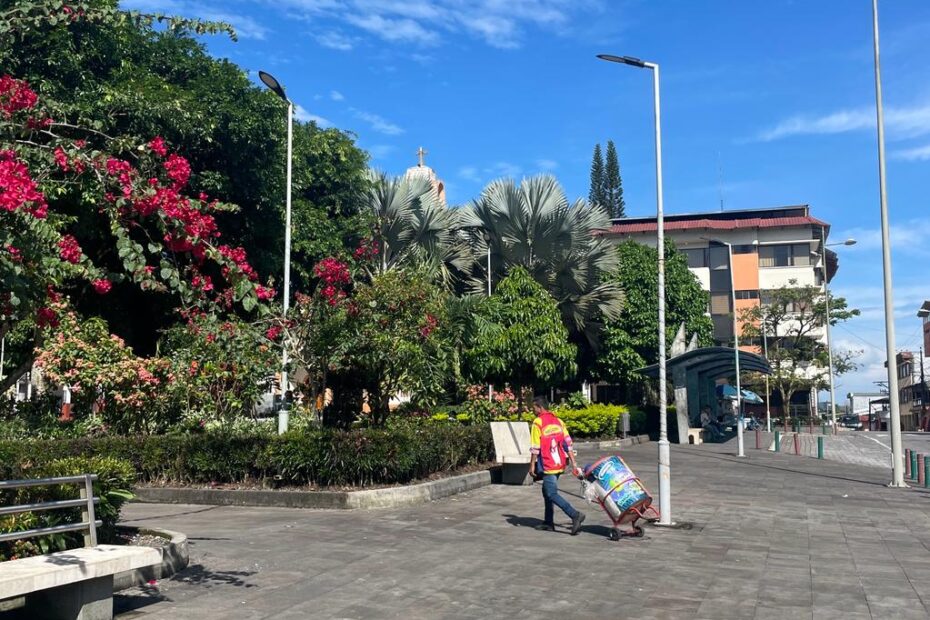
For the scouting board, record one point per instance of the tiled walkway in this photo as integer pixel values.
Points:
(770, 536)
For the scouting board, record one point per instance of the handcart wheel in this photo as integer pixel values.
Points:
(614, 535)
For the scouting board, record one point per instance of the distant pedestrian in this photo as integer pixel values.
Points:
(550, 451)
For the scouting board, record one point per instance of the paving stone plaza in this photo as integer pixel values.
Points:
(768, 536)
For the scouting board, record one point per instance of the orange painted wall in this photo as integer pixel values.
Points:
(746, 272)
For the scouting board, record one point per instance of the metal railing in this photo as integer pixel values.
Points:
(87, 503)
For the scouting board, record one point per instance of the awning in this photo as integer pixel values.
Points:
(712, 362)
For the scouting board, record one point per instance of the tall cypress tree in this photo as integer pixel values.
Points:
(596, 195)
(613, 185)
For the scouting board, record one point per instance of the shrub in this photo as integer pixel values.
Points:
(115, 479)
(596, 420)
(397, 454)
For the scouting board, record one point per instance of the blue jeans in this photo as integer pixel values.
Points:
(550, 492)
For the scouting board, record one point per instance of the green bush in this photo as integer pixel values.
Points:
(320, 457)
(115, 479)
(592, 421)
(637, 421)
(595, 420)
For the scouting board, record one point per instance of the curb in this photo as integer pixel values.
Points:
(614, 443)
(174, 558)
(390, 497)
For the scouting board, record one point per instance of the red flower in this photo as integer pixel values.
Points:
(46, 317)
(69, 250)
(102, 286)
(17, 189)
(273, 332)
(15, 95)
(157, 146)
(61, 159)
(178, 169)
(263, 292)
(15, 254)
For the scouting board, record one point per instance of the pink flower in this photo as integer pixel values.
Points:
(157, 146)
(263, 292)
(15, 95)
(61, 159)
(102, 286)
(273, 332)
(69, 250)
(178, 169)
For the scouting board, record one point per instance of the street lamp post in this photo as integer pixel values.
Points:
(826, 293)
(487, 240)
(276, 87)
(768, 393)
(665, 469)
(897, 466)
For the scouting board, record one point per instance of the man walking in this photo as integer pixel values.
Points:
(550, 448)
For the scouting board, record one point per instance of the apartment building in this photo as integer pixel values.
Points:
(771, 248)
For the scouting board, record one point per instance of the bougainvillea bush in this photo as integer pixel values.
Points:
(166, 241)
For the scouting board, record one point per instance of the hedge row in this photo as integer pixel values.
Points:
(324, 458)
(594, 420)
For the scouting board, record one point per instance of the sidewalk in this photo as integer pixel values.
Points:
(772, 536)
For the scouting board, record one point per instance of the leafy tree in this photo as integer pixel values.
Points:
(116, 73)
(792, 319)
(413, 226)
(596, 194)
(613, 185)
(533, 226)
(630, 341)
(526, 343)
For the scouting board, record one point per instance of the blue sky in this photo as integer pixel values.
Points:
(764, 103)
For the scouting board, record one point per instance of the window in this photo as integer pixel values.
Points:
(718, 257)
(720, 280)
(696, 258)
(744, 249)
(720, 303)
(747, 294)
(787, 255)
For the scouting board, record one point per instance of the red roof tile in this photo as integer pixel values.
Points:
(635, 227)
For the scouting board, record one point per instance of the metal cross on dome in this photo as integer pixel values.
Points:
(420, 153)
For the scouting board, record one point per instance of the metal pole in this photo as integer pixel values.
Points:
(739, 394)
(765, 351)
(283, 414)
(2, 356)
(897, 470)
(826, 294)
(665, 468)
(490, 385)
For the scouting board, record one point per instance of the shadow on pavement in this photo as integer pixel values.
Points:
(196, 575)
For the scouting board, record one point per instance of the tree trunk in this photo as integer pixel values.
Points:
(18, 372)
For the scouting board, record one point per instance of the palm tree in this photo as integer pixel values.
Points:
(534, 226)
(413, 226)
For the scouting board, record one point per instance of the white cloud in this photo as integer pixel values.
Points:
(394, 30)
(920, 153)
(901, 123)
(304, 116)
(335, 95)
(547, 164)
(499, 23)
(908, 238)
(504, 169)
(469, 173)
(378, 123)
(335, 40)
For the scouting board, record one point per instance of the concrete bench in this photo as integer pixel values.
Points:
(67, 585)
(512, 450)
(696, 436)
(71, 585)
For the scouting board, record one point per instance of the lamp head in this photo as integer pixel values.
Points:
(624, 60)
(273, 84)
(850, 241)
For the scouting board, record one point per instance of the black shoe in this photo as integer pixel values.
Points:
(576, 522)
(545, 527)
